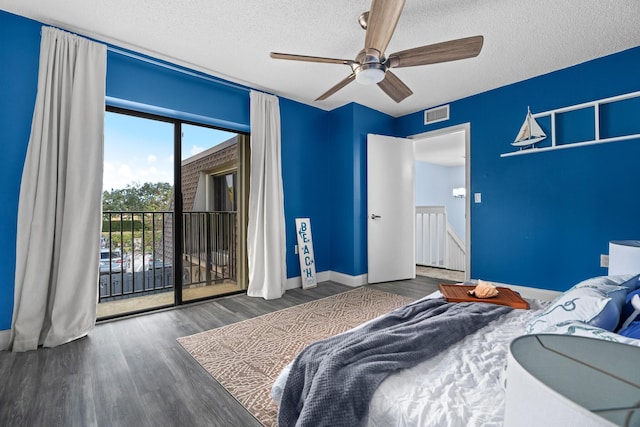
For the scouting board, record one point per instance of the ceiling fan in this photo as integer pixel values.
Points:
(371, 66)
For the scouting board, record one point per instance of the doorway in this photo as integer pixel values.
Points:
(442, 189)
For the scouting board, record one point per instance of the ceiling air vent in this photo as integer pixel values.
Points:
(437, 114)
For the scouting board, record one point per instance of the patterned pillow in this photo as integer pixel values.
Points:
(597, 306)
(605, 283)
(573, 327)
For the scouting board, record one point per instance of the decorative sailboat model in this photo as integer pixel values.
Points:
(530, 132)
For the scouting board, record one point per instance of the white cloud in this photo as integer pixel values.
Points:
(124, 172)
(147, 174)
(120, 175)
(195, 149)
(151, 158)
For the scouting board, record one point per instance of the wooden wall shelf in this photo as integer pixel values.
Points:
(597, 140)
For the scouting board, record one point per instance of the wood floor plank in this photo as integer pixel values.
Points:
(132, 372)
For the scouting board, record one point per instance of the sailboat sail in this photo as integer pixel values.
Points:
(530, 132)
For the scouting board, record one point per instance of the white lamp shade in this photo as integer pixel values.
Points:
(369, 76)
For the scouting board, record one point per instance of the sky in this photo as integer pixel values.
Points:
(141, 150)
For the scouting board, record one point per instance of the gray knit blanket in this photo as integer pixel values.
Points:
(332, 381)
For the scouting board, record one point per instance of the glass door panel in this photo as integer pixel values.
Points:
(210, 220)
(136, 271)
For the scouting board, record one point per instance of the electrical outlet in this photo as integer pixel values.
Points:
(604, 260)
(295, 249)
(477, 197)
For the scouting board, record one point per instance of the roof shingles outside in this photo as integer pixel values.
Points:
(207, 161)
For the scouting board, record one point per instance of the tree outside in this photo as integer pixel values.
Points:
(133, 219)
(139, 197)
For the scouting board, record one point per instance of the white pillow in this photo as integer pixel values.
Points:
(599, 307)
(611, 285)
(619, 280)
(573, 327)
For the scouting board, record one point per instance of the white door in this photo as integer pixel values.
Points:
(390, 208)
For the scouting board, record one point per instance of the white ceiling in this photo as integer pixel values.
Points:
(233, 38)
(445, 150)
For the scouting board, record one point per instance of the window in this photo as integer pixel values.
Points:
(224, 192)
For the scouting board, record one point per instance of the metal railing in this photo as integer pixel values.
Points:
(138, 252)
(209, 247)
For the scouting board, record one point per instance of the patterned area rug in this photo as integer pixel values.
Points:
(247, 357)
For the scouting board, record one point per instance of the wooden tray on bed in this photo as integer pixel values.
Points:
(458, 293)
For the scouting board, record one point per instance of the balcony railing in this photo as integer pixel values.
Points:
(137, 252)
(209, 245)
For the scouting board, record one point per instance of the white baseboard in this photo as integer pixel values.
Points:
(4, 339)
(535, 293)
(532, 293)
(345, 279)
(292, 283)
(296, 282)
(323, 276)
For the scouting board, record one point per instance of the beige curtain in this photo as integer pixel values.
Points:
(266, 232)
(59, 211)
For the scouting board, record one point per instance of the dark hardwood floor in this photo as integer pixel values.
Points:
(132, 372)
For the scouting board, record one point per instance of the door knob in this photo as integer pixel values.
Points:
(374, 216)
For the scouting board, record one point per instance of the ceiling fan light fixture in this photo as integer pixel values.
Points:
(373, 66)
(369, 74)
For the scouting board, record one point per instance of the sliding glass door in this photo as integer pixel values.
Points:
(172, 229)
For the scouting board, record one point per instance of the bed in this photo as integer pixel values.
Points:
(465, 384)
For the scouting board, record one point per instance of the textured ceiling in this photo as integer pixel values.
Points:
(233, 38)
(445, 150)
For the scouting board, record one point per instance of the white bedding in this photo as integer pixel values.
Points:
(461, 387)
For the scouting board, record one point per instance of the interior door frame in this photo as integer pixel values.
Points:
(466, 128)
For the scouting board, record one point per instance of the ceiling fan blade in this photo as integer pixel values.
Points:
(337, 87)
(382, 21)
(393, 86)
(440, 52)
(292, 57)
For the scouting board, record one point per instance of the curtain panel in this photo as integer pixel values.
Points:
(59, 211)
(266, 247)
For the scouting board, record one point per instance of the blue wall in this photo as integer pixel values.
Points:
(348, 129)
(306, 177)
(545, 218)
(434, 185)
(19, 57)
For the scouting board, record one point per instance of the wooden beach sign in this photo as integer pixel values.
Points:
(305, 252)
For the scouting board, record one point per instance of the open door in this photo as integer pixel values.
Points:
(390, 208)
